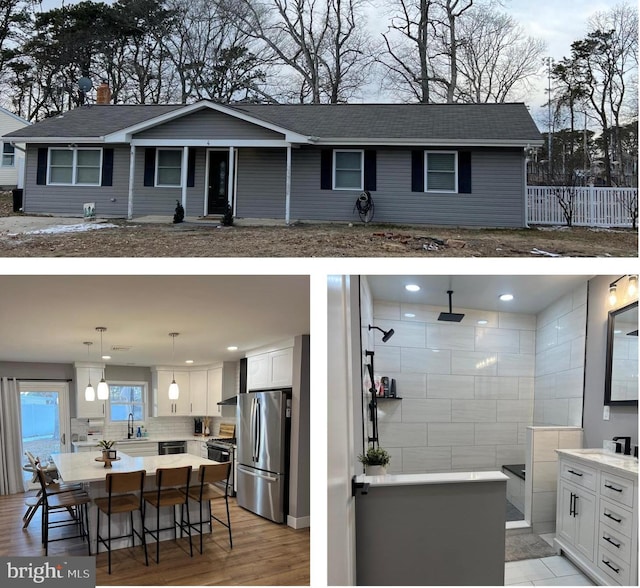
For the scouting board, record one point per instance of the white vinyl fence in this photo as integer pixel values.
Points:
(591, 206)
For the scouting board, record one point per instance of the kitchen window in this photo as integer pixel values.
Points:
(125, 398)
(8, 155)
(348, 169)
(169, 168)
(441, 171)
(75, 167)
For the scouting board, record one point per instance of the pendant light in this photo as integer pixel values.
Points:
(103, 387)
(89, 392)
(174, 391)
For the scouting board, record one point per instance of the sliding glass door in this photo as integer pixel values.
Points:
(44, 410)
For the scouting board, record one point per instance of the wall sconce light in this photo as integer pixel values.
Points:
(632, 288)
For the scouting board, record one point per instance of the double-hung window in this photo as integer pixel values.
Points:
(125, 398)
(8, 155)
(441, 171)
(348, 169)
(169, 168)
(77, 166)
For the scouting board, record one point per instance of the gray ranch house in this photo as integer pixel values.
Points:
(436, 164)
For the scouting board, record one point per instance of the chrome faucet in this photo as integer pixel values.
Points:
(130, 426)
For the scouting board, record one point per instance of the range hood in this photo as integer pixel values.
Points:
(229, 401)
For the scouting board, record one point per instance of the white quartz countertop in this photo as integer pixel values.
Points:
(436, 478)
(83, 467)
(149, 439)
(601, 457)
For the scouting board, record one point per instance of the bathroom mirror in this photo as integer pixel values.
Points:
(621, 381)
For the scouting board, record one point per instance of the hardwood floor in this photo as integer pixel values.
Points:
(263, 553)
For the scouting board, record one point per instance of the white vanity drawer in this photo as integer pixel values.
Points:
(578, 474)
(615, 542)
(616, 488)
(614, 567)
(616, 517)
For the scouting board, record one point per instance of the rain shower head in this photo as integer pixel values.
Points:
(451, 317)
(386, 335)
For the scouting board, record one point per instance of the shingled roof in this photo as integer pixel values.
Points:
(465, 122)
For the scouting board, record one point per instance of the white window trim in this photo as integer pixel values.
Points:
(155, 179)
(145, 396)
(426, 171)
(333, 179)
(74, 166)
(3, 155)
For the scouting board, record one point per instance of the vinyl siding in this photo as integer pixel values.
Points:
(111, 201)
(261, 183)
(209, 124)
(9, 175)
(497, 198)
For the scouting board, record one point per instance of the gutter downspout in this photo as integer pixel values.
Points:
(132, 171)
(526, 190)
(185, 173)
(231, 178)
(287, 189)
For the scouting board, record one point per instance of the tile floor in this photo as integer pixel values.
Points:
(547, 571)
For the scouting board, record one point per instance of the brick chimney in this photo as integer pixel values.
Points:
(103, 93)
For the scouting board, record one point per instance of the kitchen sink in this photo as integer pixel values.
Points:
(125, 440)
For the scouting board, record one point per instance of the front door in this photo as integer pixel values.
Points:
(218, 182)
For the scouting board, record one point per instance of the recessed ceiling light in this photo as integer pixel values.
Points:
(482, 322)
(409, 315)
(412, 287)
(232, 348)
(188, 360)
(506, 297)
(106, 357)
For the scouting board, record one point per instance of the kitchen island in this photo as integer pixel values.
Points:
(83, 468)
(431, 529)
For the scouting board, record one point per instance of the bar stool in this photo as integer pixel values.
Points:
(209, 474)
(75, 502)
(121, 498)
(168, 493)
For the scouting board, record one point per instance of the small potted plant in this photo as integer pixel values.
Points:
(107, 453)
(375, 461)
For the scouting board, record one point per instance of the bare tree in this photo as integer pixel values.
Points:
(495, 59)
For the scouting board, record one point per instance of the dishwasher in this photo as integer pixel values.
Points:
(171, 447)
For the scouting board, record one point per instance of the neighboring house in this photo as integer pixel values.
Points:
(439, 164)
(11, 156)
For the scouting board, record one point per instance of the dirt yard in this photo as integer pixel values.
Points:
(131, 239)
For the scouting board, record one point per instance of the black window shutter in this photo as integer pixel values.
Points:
(107, 167)
(41, 173)
(191, 168)
(326, 172)
(149, 166)
(370, 172)
(464, 172)
(417, 171)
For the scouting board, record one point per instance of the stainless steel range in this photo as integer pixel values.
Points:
(223, 449)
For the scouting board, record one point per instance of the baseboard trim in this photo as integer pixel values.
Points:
(298, 523)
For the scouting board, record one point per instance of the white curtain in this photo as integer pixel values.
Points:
(11, 480)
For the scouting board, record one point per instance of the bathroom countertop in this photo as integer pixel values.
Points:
(436, 478)
(614, 462)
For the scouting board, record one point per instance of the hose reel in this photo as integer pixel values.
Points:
(364, 206)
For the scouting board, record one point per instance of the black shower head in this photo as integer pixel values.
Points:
(386, 335)
(452, 317)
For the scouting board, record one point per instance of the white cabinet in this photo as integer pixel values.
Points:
(214, 391)
(198, 392)
(273, 369)
(163, 405)
(137, 448)
(597, 519)
(85, 409)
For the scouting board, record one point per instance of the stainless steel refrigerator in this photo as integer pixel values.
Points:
(264, 426)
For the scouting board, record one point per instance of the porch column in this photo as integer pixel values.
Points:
(287, 189)
(132, 172)
(231, 178)
(184, 175)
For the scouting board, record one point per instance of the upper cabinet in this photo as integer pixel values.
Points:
(162, 405)
(214, 391)
(86, 373)
(272, 369)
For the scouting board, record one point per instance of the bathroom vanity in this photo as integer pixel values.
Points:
(430, 529)
(597, 514)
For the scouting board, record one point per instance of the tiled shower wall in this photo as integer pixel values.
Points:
(466, 389)
(559, 361)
